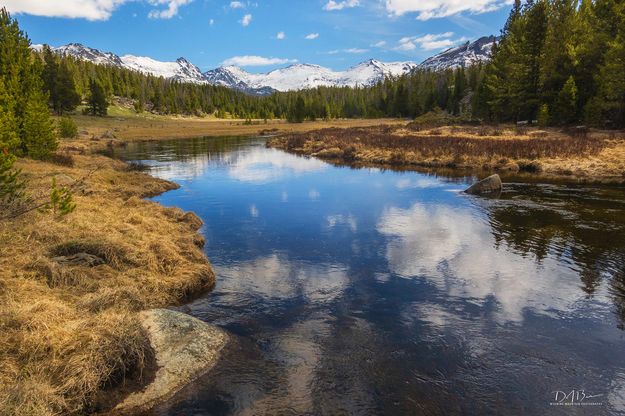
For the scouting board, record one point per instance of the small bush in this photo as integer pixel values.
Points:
(62, 159)
(67, 128)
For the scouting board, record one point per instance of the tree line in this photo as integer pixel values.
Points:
(557, 61)
(560, 61)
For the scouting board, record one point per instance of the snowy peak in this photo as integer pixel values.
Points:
(293, 77)
(86, 53)
(180, 70)
(303, 76)
(464, 55)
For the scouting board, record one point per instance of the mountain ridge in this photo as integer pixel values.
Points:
(293, 77)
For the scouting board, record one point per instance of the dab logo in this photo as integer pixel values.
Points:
(575, 398)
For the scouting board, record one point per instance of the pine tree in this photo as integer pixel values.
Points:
(40, 137)
(543, 115)
(97, 104)
(24, 103)
(67, 98)
(611, 80)
(558, 56)
(565, 110)
(11, 186)
(9, 137)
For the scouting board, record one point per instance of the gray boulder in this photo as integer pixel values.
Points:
(185, 348)
(488, 186)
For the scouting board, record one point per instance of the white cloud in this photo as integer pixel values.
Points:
(82, 9)
(312, 36)
(254, 60)
(355, 50)
(379, 44)
(280, 36)
(429, 9)
(237, 5)
(89, 9)
(346, 4)
(247, 19)
(170, 11)
(211, 22)
(428, 42)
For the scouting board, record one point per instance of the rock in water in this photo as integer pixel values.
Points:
(185, 348)
(488, 186)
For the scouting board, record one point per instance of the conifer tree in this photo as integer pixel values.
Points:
(97, 104)
(611, 80)
(565, 110)
(67, 98)
(40, 137)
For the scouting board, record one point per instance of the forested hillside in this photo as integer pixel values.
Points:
(558, 62)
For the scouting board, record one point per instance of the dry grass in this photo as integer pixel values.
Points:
(596, 155)
(130, 126)
(69, 331)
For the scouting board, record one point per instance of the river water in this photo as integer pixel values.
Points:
(369, 291)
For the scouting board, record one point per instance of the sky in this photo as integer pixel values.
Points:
(261, 35)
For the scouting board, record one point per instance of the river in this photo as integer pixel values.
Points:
(370, 291)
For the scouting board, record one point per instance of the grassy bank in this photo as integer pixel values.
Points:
(71, 287)
(69, 328)
(594, 155)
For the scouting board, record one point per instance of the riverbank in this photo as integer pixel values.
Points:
(72, 288)
(69, 323)
(587, 156)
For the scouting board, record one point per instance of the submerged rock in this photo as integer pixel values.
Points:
(185, 348)
(488, 186)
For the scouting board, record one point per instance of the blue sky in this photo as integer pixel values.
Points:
(262, 34)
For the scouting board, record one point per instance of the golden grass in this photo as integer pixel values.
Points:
(68, 331)
(599, 155)
(130, 126)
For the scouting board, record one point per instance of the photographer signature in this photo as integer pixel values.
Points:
(575, 398)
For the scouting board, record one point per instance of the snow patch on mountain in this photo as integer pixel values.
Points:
(467, 54)
(180, 70)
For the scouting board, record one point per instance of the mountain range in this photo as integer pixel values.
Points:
(293, 77)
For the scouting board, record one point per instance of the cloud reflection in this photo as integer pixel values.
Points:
(274, 276)
(455, 249)
(262, 165)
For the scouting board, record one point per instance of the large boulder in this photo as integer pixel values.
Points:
(488, 186)
(185, 348)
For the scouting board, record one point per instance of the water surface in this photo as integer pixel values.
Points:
(368, 291)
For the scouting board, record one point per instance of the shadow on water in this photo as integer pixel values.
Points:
(370, 291)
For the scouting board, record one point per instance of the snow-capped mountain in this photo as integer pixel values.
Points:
(302, 76)
(293, 77)
(85, 53)
(180, 70)
(461, 56)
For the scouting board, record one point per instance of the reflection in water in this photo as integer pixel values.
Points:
(362, 291)
(456, 250)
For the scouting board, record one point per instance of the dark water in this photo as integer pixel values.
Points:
(362, 291)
